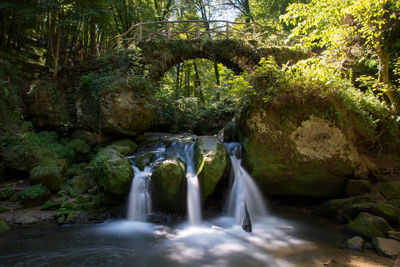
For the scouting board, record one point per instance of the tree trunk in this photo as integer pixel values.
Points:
(177, 88)
(392, 93)
(197, 82)
(3, 28)
(93, 36)
(57, 55)
(246, 7)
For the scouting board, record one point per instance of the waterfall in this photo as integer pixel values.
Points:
(244, 192)
(193, 189)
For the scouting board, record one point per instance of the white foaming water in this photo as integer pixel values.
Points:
(139, 203)
(193, 190)
(244, 192)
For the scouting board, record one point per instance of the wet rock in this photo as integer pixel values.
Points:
(26, 219)
(144, 160)
(113, 171)
(3, 225)
(168, 183)
(388, 247)
(293, 154)
(47, 106)
(369, 226)
(356, 243)
(126, 147)
(6, 192)
(358, 187)
(213, 162)
(391, 190)
(50, 173)
(246, 224)
(122, 112)
(330, 208)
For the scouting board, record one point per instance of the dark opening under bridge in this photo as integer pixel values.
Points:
(165, 44)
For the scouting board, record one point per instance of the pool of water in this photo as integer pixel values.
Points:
(275, 241)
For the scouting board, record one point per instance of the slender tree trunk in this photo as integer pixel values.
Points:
(177, 88)
(3, 28)
(246, 7)
(93, 36)
(57, 55)
(197, 82)
(392, 93)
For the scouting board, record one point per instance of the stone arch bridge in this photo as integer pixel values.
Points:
(165, 44)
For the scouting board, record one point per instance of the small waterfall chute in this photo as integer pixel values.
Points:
(245, 202)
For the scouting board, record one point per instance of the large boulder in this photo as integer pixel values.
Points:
(290, 151)
(50, 173)
(33, 196)
(213, 162)
(125, 146)
(122, 112)
(47, 106)
(388, 247)
(369, 226)
(391, 190)
(168, 183)
(358, 187)
(113, 171)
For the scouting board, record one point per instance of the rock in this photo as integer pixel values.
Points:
(388, 247)
(3, 225)
(125, 147)
(356, 243)
(33, 196)
(246, 224)
(384, 210)
(113, 171)
(394, 235)
(6, 192)
(358, 187)
(168, 183)
(290, 152)
(50, 173)
(391, 190)
(47, 106)
(143, 160)
(78, 185)
(231, 132)
(124, 113)
(80, 148)
(26, 219)
(88, 137)
(330, 208)
(213, 161)
(369, 226)
(3, 209)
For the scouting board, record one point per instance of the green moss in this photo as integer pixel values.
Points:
(126, 147)
(50, 173)
(3, 225)
(113, 171)
(6, 192)
(32, 196)
(391, 190)
(52, 204)
(141, 161)
(3, 209)
(369, 226)
(80, 148)
(330, 208)
(168, 182)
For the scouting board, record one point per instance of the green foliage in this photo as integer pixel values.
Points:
(32, 196)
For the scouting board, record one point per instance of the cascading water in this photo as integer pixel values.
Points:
(193, 190)
(245, 199)
(139, 205)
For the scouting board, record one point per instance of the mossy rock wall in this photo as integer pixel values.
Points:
(298, 148)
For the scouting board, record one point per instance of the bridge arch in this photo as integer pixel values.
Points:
(162, 55)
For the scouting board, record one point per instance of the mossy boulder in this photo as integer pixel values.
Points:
(292, 151)
(3, 209)
(123, 112)
(143, 160)
(6, 192)
(389, 212)
(330, 208)
(80, 148)
(113, 171)
(78, 185)
(50, 173)
(369, 226)
(33, 196)
(358, 187)
(3, 225)
(391, 190)
(47, 106)
(213, 162)
(125, 146)
(168, 183)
